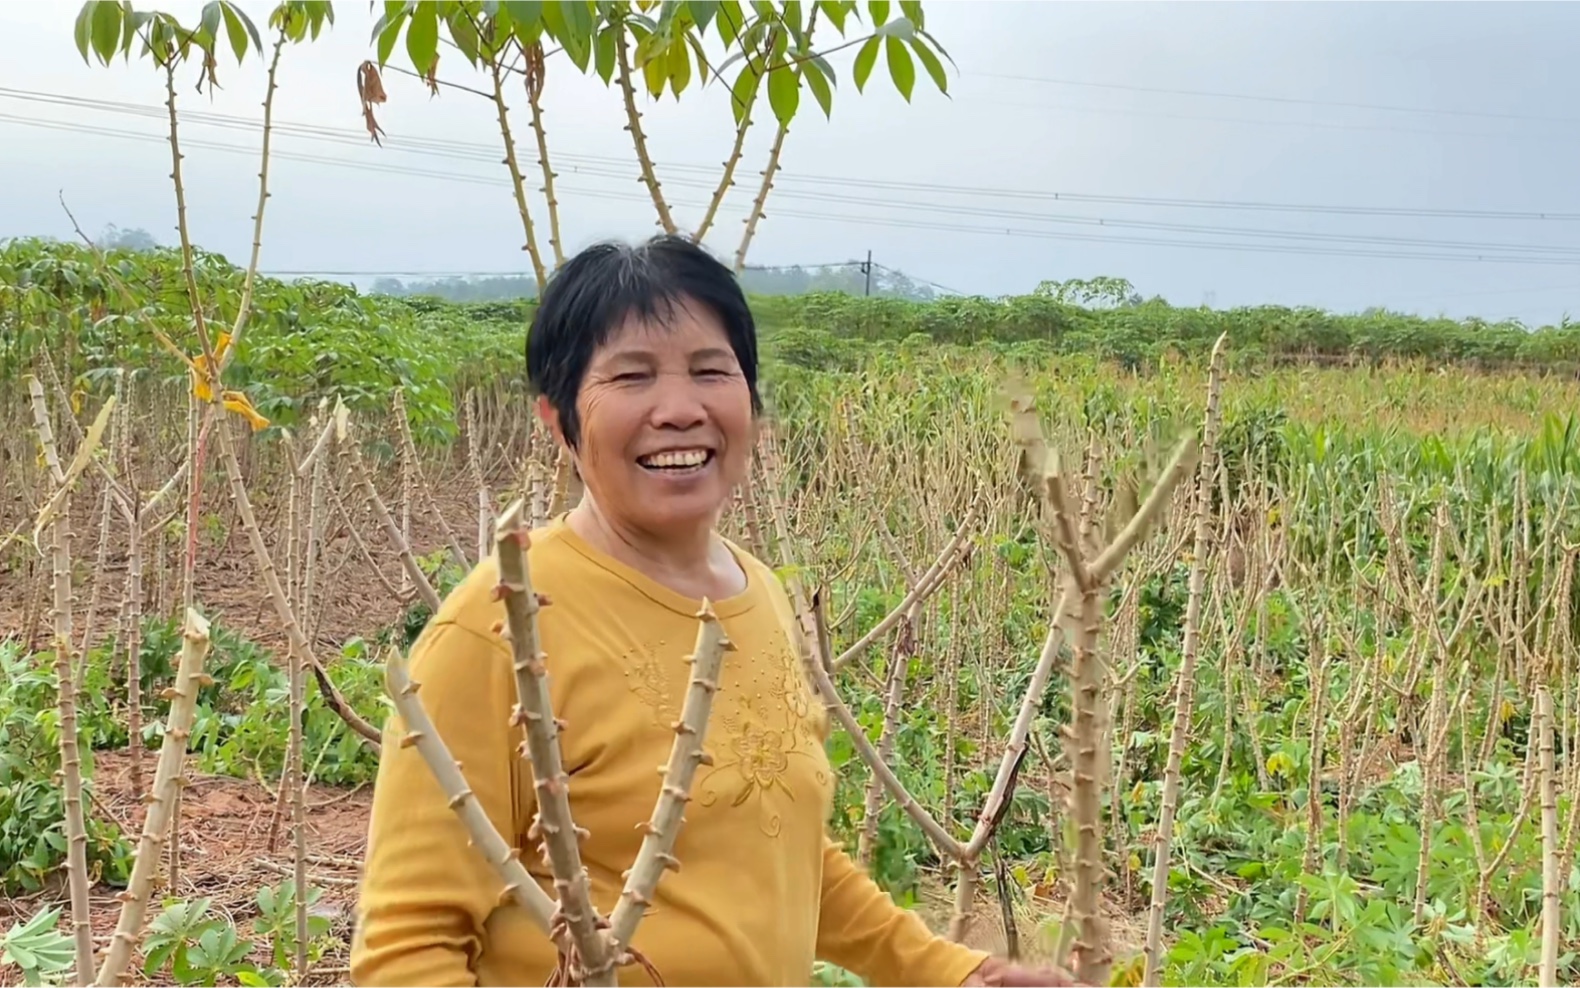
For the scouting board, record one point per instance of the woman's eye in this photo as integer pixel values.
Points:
(630, 376)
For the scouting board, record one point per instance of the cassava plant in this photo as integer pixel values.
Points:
(56, 518)
(169, 777)
(1184, 693)
(591, 947)
(1091, 571)
(657, 48)
(1089, 568)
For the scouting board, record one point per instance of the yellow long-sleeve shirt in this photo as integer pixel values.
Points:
(761, 892)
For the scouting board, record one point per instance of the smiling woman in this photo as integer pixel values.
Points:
(644, 360)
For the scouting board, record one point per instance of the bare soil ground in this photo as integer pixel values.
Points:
(225, 855)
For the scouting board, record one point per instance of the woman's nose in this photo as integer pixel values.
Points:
(678, 403)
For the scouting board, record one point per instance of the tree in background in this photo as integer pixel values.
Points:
(794, 279)
(135, 238)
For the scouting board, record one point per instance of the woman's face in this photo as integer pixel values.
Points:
(666, 426)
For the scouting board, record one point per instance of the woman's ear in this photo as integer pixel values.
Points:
(550, 417)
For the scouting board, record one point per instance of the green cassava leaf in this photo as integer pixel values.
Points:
(901, 68)
(929, 61)
(604, 58)
(239, 29)
(422, 37)
(866, 58)
(387, 30)
(213, 13)
(679, 68)
(702, 13)
(82, 32)
(784, 93)
(835, 11)
(813, 71)
(576, 32)
(106, 29)
(464, 33)
(654, 71)
(523, 16)
(744, 92)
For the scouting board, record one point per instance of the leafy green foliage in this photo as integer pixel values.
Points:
(32, 804)
(306, 340)
(108, 27)
(37, 948)
(238, 729)
(771, 43)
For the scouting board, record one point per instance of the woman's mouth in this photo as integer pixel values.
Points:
(677, 462)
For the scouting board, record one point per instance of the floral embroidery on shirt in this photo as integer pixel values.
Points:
(754, 760)
(764, 731)
(766, 718)
(645, 674)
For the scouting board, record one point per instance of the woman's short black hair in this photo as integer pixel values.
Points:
(597, 290)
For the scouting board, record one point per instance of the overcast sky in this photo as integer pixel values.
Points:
(1392, 112)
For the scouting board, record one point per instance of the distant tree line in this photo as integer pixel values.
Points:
(796, 279)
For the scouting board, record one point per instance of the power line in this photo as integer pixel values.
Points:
(1263, 98)
(1376, 128)
(1488, 253)
(488, 153)
(834, 217)
(911, 207)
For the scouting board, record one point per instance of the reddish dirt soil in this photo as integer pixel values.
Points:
(225, 855)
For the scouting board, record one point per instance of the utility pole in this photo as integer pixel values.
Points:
(866, 269)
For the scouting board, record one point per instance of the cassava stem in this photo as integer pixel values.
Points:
(161, 799)
(360, 475)
(516, 182)
(535, 63)
(420, 731)
(282, 608)
(244, 307)
(727, 179)
(1185, 692)
(1552, 931)
(70, 763)
(423, 489)
(633, 124)
(560, 836)
(759, 203)
(658, 843)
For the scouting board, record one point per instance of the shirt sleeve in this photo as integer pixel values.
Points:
(863, 930)
(426, 892)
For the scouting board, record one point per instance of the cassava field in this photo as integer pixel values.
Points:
(1180, 646)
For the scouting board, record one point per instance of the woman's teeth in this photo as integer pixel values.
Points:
(676, 459)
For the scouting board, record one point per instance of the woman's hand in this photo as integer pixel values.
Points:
(997, 971)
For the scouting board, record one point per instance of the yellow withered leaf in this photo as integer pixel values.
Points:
(1128, 973)
(236, 401)
(1279, 763)
(79, 463)
(200, 369)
